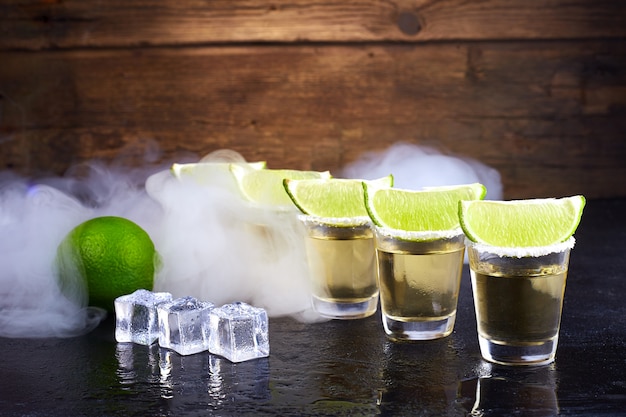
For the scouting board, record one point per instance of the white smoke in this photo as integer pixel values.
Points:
(30, 302)
(213, 245)
(34, 219)
(216, 247)
(414, 167)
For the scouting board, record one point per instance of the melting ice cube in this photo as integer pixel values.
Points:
(239, 332)
(184, 325)
(136, 316)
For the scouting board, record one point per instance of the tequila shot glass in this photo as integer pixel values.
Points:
(518, 300)
(419, 275)
(342, 267)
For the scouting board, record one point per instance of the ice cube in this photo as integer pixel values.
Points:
(136, 316)
(184, 325)
(239, 332)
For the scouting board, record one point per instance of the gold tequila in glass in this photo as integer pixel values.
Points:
(419, 283)
(342, 267)
(518, 302)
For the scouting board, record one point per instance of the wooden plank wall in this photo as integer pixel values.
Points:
(536, 90)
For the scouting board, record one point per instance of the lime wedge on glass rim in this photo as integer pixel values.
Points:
(206, 173)
(430, 210)
(332, 197)
(265, 186)
(521, 223)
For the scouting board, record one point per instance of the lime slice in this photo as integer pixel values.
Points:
(331, 197)
(265, 186)
(521, 223)
(206, 173)
(435, 209)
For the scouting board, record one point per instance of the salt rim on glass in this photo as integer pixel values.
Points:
(336, 221)
(419, 235)
(524, 251)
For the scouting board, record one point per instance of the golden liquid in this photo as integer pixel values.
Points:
(518, 309)
(342, 270)
(419, 287)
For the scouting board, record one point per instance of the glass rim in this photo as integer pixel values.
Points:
(524, 251)
(418, 235)
(336, 221)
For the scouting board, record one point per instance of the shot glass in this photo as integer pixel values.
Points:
(342, 267)
(419, 282)
(518, 301)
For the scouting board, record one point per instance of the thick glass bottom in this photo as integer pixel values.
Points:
(400, 331)
(346, 310)
(541, 353)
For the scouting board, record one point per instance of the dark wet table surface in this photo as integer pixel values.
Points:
(349, 367)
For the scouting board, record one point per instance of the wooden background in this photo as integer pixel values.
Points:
(535, 89)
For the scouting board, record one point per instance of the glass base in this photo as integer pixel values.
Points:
(418, 330)
(527, 354)
(346, 310)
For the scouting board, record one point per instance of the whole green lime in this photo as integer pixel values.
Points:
(104, 258)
